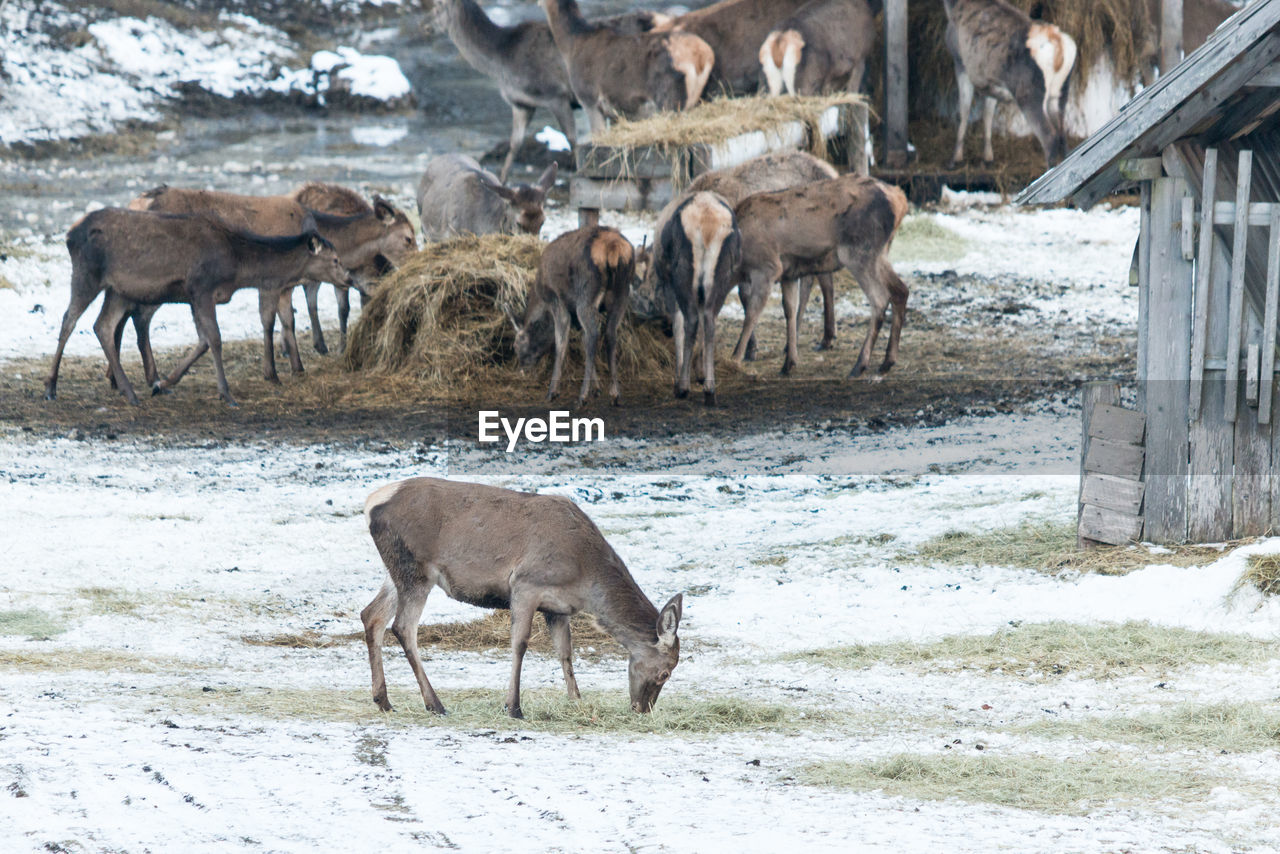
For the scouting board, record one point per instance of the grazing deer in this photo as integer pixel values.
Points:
(581, 273)
(700, 250)
(496, 548)
(1001, 54)
(620, 72)
(456, 195)
(360, 239)
(821, 48)
(148, 258)
(341, 201)
(817, 228)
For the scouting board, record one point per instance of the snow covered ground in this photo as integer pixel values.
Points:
(102, 72)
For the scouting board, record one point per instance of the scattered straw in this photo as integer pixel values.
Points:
(31, 623)
(1229, 727)
(1043, 783)
(547, 711)
(1058, 648)
(1262, 573)
(1049, 546)
(492, 631)
(65, 660)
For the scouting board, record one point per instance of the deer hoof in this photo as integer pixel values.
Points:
(617, 401)
(50, 394)
(709, 398)
(858, 368)
(787, 367)
(824, 344)
(321, 348)
(274, 379)
(516, 713)
(885, 367)
(160, 388)
(383, 702)
(682, 393)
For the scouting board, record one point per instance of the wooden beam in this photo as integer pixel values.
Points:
(1094, 394)
(1268, 76)
(895, 83)
(1267, 368)
(1204, 273)
(1239, 253)
(1141, 168)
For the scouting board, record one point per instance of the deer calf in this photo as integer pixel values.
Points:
(581, 273)
(496, 548)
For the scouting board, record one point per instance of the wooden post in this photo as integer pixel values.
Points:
(588, 217)
(859, 131)
(1170, 35)
(895, 83)
(1168, 368)
(1239, 250)
(1093, 393)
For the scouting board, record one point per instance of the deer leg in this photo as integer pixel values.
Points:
(520, 116)
(826, 283)
(119, 336)
(560, 320)
(82, 295)
(558, 628)
(690, 330)
(611, 350)
(114, 311)
(196, 351)
(206, 316)
(142, 330)
(965, 85)
(521, 626)
(409, 606)
(312, 292)
(988, 120)
(677, 336)
(708, 355)
(343, 297)
(375, 617)
(878, 296)
(749, 354)
(753, 302)
(563, 111)
(589, 319)
(898, 294)
(284, 310)
(267, 311)
(790, 301)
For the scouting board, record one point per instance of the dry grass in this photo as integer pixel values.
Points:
(1042, 783)
(100, 660)
(1217, 727)
(1262, 573)
(1049, 546)
(923, 238)
(546, 711)
(490, 632)
(1058, 648)
(441, 321)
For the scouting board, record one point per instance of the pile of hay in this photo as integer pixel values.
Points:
(713, 122)
(443, 319)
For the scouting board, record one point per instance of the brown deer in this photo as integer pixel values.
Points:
(456, 195)
(822, 48)
(496, 548)
(817, 228)
(700, 247)
(620, 73)
(734, 30)
(341, 201)
(359, 239)
(147, 258)
(1001, 54)
(581, 273)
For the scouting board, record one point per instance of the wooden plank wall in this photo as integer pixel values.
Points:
(1111, 486)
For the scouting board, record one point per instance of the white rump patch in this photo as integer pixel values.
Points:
(1055, 53)
(380, 496)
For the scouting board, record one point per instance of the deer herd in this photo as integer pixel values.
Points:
(787, 217)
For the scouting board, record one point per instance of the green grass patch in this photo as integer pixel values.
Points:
(922, 238)
(1057, 648)
(545, 711)
(1040, 783)
(108, 601)
(30, 623)
(1263, 573)
(1230, 727)
(1047, 545)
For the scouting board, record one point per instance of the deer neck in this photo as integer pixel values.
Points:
(477, 37)
(622, 610)
(267, 265)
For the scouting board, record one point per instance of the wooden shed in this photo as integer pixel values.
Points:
(1203, 146)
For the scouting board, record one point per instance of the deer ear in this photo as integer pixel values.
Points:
(383, 210)
(315, 244)
(669, 620)
(547, 179)
(503, 192)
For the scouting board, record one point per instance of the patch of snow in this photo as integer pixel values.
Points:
(553, 139)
